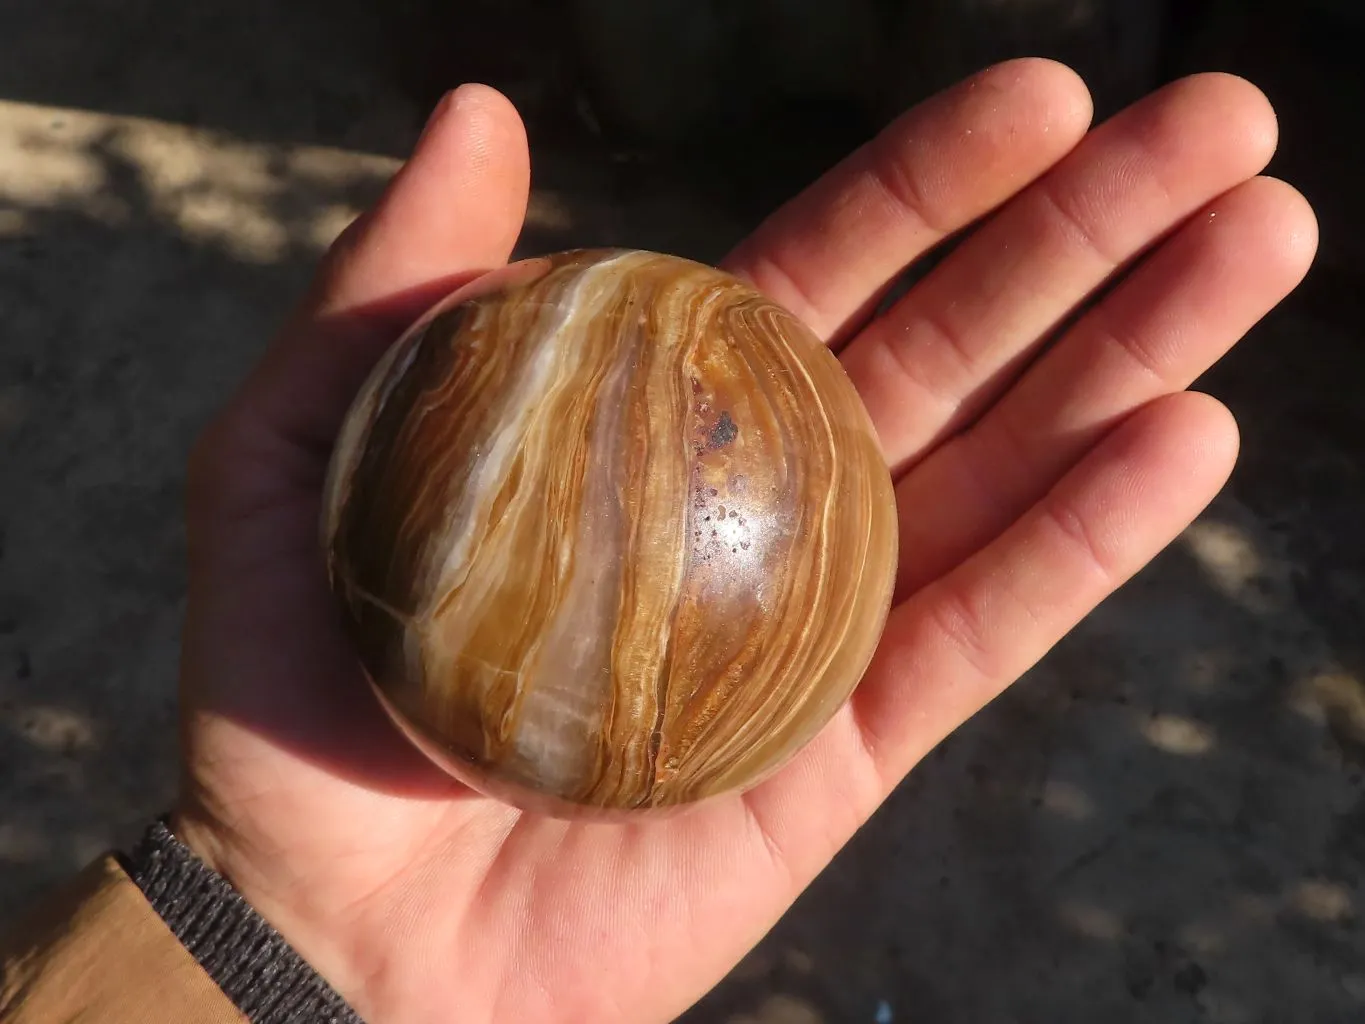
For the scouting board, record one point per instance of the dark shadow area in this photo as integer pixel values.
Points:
(140, 274)
(232, 66)
(1161, 822)
(1164, 821)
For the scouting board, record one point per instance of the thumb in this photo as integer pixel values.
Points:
(453, 211)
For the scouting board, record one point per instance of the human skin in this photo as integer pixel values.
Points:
(1034, 474)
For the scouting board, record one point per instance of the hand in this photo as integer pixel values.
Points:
(1036, 471)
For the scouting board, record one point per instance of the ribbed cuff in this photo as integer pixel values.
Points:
(245, 956)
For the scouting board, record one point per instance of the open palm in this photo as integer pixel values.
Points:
(1037, 468)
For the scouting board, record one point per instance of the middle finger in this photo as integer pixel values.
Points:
(952, 344)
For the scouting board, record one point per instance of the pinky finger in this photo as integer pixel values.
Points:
(953, 646)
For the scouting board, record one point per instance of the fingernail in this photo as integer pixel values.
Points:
(439, 111)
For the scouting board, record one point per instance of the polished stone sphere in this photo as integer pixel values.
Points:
(610, 531)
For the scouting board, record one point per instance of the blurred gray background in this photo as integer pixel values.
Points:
(1165, 821)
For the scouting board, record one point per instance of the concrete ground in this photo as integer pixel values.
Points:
(1164, 821)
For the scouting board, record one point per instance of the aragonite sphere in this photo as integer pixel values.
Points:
(610, 531)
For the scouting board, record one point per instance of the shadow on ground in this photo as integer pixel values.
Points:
(1165, 820)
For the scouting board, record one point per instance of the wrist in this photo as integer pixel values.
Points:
(252, 961)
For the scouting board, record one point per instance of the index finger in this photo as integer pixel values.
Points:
(830, 254)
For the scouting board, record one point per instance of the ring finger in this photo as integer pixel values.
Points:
(1160, 329)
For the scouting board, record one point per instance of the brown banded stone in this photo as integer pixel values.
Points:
(610, 530)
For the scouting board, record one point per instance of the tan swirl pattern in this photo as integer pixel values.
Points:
(610, 530)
